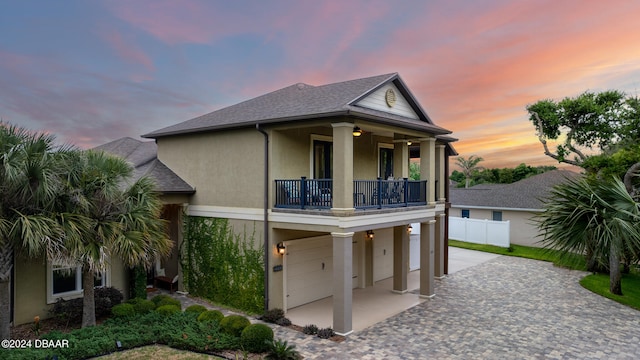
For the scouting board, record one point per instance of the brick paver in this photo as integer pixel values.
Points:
(507, 308)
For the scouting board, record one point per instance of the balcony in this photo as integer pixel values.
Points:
(306, 193)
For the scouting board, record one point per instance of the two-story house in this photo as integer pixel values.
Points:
(321, 173)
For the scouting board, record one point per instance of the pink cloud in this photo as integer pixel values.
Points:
(128, 51)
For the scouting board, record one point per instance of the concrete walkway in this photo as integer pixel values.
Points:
(505, 308)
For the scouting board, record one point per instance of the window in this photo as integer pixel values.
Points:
(66, 282)
(497, 215)
(465, 213)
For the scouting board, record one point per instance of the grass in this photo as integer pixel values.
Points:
(597, 283)
(574, 262)
(156, 352)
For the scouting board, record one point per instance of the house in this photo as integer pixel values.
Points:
(38, 284)
(321, 173)
(517, 203)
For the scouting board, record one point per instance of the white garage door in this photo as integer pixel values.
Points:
(309, 270)
(414, 252)
(383, 254)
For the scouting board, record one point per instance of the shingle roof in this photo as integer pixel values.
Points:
(143, 156)
(301, 102)
(524, 194)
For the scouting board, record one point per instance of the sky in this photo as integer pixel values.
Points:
(94, 71)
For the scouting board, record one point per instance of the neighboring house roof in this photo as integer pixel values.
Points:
(524, 194)
(302, 101)
(143, 155)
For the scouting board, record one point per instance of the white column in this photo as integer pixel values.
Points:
(342, 282)
(440, 172)
(342, 168)
(427, 258)
(428, 166)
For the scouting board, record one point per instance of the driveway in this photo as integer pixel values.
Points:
(505, 308)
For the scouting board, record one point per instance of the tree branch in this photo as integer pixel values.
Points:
(634, 170)
(542, 140)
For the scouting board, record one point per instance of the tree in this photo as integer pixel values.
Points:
(121, 220)
(468, 166)
(591, 216)
(29, 180)
(607, 122)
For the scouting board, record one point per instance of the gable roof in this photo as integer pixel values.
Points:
(143, 155)
(302, 102)
(525, 194)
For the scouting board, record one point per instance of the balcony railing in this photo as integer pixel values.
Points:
(306, 193)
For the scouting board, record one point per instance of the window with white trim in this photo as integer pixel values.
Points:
(465, 213)
(66, 281)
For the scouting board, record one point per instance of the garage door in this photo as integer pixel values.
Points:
(309, 270)
(383, 254)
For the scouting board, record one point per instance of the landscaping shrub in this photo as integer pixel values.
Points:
(310, 329)
(234, 324)
(283, 321)
(167, 310)
(138, 282)
(271, 316)
(123, 310)
(281, 350)
(70, 311)
(211, 315)
(326, 333)
(255, 338)
(142, 306)
(170, 301)
(197, 309)
(156, 299)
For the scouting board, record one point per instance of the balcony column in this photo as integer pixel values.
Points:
(400, 259)
(439, 247)
(427, 235)
(428, 167)
(440, 172)
(342, 282)
(400, 159)
(342, 168)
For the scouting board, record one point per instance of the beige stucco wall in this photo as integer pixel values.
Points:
(221, 166)
(522, 231)
(30, 287)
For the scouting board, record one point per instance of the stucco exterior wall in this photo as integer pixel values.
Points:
(221, 166)
(522, 230)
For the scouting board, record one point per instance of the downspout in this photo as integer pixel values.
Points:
(266, 217)
(447, 206)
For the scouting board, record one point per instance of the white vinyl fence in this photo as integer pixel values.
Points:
(479, 231)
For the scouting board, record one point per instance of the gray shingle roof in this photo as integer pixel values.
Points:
(300, 102)
(524, 194)
(143, 155)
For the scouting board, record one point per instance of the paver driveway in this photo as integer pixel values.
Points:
(507, 308)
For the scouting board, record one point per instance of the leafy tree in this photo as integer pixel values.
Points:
(29, 165)
(594, 217)
(122, 220)
(468, 166)
(414, 171)
(456, 176)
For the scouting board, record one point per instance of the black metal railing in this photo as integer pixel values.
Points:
(306, 193)
(388, 193)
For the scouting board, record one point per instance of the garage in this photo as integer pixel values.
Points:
(308, 267)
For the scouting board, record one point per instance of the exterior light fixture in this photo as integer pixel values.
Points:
(409, 228)
(409, 143)
(357, 131)
(370, 234)
(281, 248)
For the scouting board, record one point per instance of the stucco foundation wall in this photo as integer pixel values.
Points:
(30, 290)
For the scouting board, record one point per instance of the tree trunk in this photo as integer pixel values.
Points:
(88, 303)
(615, 276)
(6, 265)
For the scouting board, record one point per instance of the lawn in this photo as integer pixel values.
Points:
(156, 352)
(597, 283)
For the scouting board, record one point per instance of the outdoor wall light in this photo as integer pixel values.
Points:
(370, 234)
(409, 228)
(357, 131)
(281, 248)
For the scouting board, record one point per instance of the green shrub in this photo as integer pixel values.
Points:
(123, 310)
(211, 315)
(234, 324)
(255, 338)
(167, 310)
(70, 311)
(197, 309)
(170, 301)
(142, 306)
(273, 315)
(281, 350)
(156, 299)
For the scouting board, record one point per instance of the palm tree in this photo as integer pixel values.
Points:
(468, 166)
(29, 180)
(122, 219)
(592, 217)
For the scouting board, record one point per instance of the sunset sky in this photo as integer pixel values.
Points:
(94, 71)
